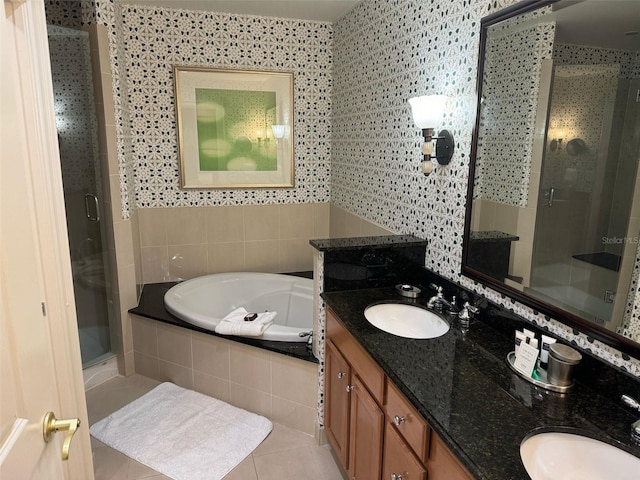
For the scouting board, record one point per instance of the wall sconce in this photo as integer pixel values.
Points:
(278, 130)
(427, 111)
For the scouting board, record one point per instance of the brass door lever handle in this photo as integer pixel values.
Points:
(51, 425)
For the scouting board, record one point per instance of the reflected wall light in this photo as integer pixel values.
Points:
(278, 130)
(427, 111)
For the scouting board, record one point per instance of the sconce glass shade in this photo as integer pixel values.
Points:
(428, 110)
(278, 130)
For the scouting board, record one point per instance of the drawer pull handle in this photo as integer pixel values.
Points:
(397, 421)
(341, 374)
(396, 476)
(350, 387)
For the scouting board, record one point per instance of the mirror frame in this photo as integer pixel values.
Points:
(597, 332)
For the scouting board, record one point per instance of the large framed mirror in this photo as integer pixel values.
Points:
(553, 206)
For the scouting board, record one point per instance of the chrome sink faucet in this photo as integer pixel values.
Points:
(635, 426)
(438, 302)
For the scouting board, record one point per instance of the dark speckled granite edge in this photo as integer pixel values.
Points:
(151, 306)
(352, 243)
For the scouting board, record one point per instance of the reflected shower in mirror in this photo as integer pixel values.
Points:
(554, 203)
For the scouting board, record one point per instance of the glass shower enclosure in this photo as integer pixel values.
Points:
(80, 158)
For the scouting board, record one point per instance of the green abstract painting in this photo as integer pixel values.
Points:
(234, 130)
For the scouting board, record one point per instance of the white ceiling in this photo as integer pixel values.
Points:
(319, 10)
(600, 23)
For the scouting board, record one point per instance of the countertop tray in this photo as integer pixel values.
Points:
(541, 373)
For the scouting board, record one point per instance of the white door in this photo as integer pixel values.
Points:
(40, 369)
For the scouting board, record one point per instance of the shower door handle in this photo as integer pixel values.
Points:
(88, 199)
(551, 192)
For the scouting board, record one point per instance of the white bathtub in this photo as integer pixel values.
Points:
(204, 301)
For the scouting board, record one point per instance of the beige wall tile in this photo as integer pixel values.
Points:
(171, 372)
(124, 243)
(261, 222)
(371, 229)
(250, 367)
(225, 224)
(185, 225)
(213, 386)
(262, 256)
(145, 336)
(155, 264)
(337, 221)
(293, 415)
(321, 227)
(152, 225)
(287, 371)
(210, 355)
(116, 200)
(296, 221)
(174, 345)
(506, 218)
(250, 399)
(145, 365)
(226, 257)
(187, 261)
(296, 255)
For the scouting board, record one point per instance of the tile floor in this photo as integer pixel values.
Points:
(285, 453)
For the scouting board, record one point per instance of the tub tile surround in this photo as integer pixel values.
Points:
(279, 387)
(185, 242)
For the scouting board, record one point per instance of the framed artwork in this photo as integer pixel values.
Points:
(235, 128)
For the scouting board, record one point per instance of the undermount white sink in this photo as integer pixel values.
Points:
(406, 320)
(566, 456)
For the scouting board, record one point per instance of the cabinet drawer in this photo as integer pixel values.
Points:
(409, 423)
(367, 369)
(398, 460)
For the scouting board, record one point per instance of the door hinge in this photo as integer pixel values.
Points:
(44, 309)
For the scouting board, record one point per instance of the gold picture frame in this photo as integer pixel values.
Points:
(235, 128)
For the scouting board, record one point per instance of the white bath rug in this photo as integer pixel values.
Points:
(183, 434)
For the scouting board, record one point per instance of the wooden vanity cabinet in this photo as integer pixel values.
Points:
(373, 429)
(354, 422)
(336, 413)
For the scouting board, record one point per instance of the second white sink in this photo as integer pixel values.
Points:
(406, 320)
(565, 456)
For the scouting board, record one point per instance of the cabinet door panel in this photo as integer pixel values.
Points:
(359, 359)
(367, 421)
(443, 465)
(398, 460)
(336, 415)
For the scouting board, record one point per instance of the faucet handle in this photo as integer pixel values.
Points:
(631, 402)
(466, 314)
(437, 288)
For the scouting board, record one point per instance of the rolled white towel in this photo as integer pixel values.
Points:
(234, 323)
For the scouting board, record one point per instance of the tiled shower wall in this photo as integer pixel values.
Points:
(385, 53)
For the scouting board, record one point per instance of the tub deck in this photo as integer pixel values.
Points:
(151, 305)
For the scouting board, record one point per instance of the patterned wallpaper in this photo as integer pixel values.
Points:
(156, 39)
(510, 91)
(385, 53)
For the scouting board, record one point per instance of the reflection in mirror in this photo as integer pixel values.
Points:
(553, 215)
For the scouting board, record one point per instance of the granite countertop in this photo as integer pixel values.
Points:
(461, 384)
(151, 305)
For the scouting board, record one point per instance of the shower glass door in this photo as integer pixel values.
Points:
(586, 190)
(77, 126)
